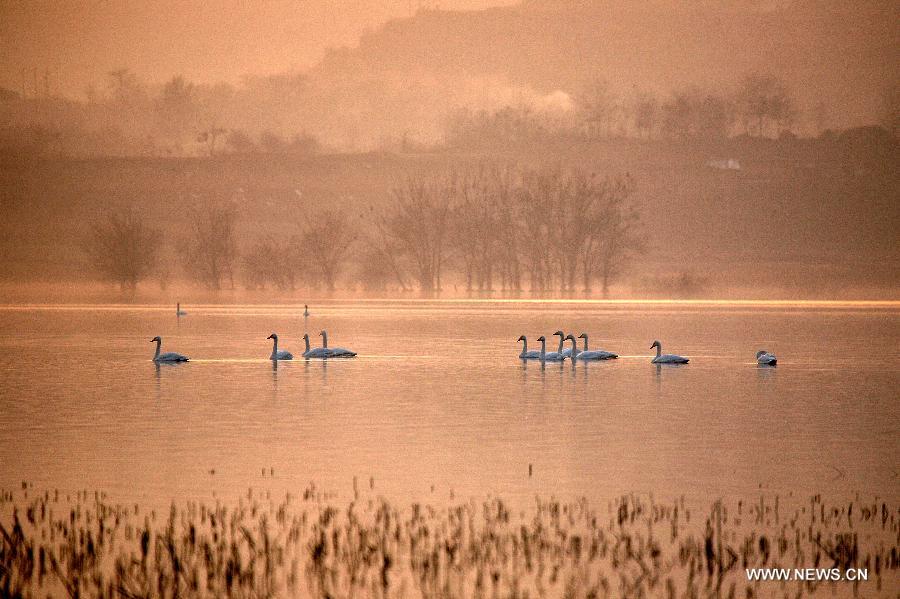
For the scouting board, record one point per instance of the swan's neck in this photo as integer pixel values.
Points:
(158, 344)
(559, 350)
(543, 350)
(306, 339)
(658, 350)
(585, 343)
(524, 348)
(274, 346)
(574, 349)
(324, 340)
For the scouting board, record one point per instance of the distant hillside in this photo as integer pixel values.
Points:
(838, 58)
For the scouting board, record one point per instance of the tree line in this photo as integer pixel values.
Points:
(482, 227)
(761, 105)
(282, 114)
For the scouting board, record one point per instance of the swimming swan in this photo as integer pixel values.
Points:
(662, 358)
(169, 356)
(316, 352)
(335, 352)
(179, 311)
(551, 357)
(528, 355)
(597, 354)
(765, 358)
(565, 353)
(278, 355)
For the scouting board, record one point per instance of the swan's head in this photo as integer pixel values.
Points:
(272, 336)
(582, 336)
(760, 352)
(156, 339)
(570, 337)
(560, 333)
(306, 336)
(656, 344)
(521, 338)
(542, 338)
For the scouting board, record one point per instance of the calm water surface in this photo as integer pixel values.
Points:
(438, 403)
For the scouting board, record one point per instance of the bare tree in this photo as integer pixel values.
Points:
(122, 248)
(418, 225)
(764, 103)
(268, 262)
(646, 113)
(327, 238)
(210, 251)
(384, 248)
(601, 107)
(126, 90)
(210, 137)
(177, 108)
(690, 114)
(475, 225)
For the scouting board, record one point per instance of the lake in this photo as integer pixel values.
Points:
(437, 405)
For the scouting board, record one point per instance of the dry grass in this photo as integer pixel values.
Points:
(313, 546)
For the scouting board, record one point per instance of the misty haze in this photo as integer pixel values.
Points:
(471, 298)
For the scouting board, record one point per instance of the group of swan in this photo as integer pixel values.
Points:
(561, 354)
(277, 354)
(763, 358)
(314, 352)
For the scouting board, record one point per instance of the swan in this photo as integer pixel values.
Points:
(662, 358)
(169, 356)
(335, 352)
(316, 352)
(765, 358)
(278, 355)
(565, 353)
(597, 354)
(179, 311)
(551, 357)
(528, 355)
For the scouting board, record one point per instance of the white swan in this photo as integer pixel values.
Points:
(565, 353)
(169, 356)
(528, 355)
(551, 357)
(316, 352)
(662, 358)
(765, 358)
(276, 354)
(597, 354)
(179, 311)
(335, 352)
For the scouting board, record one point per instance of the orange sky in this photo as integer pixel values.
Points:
(80, 41)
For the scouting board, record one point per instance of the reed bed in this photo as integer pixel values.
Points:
(315, 546)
